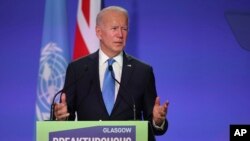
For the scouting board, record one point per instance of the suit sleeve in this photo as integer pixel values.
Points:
(149, 101)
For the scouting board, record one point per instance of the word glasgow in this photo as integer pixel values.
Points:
(92, 139)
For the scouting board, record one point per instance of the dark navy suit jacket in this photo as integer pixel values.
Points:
(137, 87)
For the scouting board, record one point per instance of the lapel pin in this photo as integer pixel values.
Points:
(129, 65)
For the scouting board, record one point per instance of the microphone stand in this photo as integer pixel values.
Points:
(53, 105)
(112, 74)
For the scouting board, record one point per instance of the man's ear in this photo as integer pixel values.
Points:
(98, 32)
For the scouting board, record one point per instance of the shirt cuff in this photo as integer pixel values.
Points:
(159, 127)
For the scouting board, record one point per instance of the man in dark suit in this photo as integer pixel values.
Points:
(135, 94)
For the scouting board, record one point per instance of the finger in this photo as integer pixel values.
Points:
(59, 106)
(162, 118)
(165, 105)
(162, 113)
(62, 117)
(63, 98)
(157, 101)
(159, 120)
(62, 111)
(159, 111)
(162, 110)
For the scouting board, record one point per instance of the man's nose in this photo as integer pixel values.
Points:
(119, 33)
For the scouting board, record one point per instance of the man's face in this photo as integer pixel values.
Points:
(112, 32)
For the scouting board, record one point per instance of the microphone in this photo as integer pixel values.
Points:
(53, 105)
(133, 100)
(64, 90)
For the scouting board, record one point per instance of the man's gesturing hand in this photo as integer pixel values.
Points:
(61, 109)
(160, 111)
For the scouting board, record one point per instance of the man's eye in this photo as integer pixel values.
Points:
(125, 29)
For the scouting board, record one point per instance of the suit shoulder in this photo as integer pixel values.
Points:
(138, 62)
(84, 59)
(83, 62)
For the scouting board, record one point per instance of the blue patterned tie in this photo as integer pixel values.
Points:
(108, 91)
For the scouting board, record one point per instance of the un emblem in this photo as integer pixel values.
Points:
(51, 78)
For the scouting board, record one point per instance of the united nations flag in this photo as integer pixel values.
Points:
(54, 56)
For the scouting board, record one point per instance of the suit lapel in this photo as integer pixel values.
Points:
(96, 85)
(127, 70)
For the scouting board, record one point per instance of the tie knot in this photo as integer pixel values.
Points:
(110, 61)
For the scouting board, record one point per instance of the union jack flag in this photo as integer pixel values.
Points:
(86, 41)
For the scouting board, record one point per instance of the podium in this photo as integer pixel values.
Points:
(92, 131)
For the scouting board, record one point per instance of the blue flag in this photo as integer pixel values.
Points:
(54, 56)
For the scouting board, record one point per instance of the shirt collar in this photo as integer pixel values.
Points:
(103, 58)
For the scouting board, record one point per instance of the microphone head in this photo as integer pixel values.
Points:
(110, 68)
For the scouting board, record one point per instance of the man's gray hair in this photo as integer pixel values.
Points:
(110, 8)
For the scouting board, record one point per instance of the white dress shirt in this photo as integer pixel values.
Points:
(117, 67)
